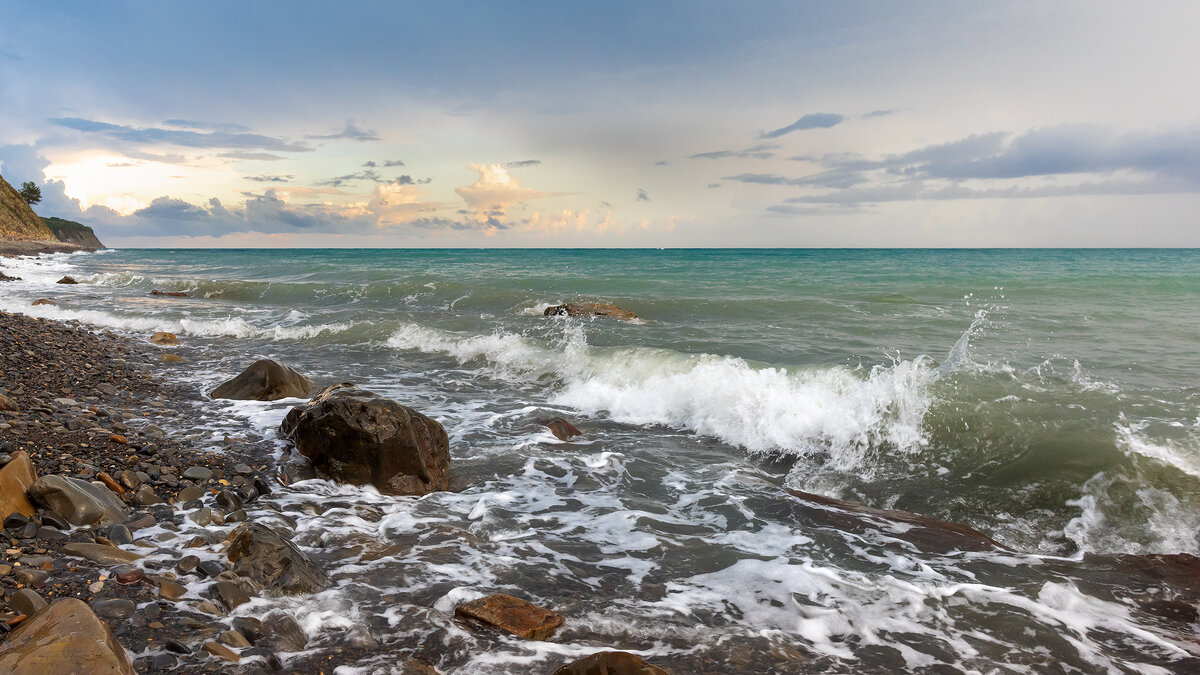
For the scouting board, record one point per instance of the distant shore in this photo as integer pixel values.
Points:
(15, 248)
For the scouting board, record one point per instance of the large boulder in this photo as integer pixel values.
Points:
(610, 663)
(66, 638)
(263, 554)
(512, 615)
(265, 380)
(584, 309)
(15, 479)
(80, 502)
(354, 436)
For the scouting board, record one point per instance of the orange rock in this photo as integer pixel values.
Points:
(164, 338)
(610, 663)
(118, 438)
(513, 615)
(15, 479)
(110, 483)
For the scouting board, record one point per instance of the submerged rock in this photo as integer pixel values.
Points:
(66, 280)
(80, 502)
(927, 534)
(44, 301)
(169, 294)
(263, 554)
(15, 479)
(357, 437)
(562, 428)
(513, 615)
(265, 380)
(610, 663)
(66, 638)
(582, 309)
(164, 338)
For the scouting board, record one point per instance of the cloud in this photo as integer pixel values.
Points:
(809, 121)
(270, 179)
(661, 162)
(880, 113)
(350, 132)
(761, 151)
(358, 176)
(409, 180)
(255, 156)
(189, 139)
(642, 196)
(207, 126)
(370, 165)
(714, 185)
(393, 162)
(493, 194)
(1063, 160)
(524, 162)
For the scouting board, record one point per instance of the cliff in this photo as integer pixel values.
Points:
(18, 222)
(71, 232)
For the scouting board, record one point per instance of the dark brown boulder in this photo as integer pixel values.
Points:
(927, 534)
(610, 663)
(263, 554)
(66, 638)
(357, 437)
(265, 380)
(562, 428)
(15, 479)
(513, 615)
(66, 280)
(583, 309)
(80, 502)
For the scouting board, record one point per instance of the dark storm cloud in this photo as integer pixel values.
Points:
(809, 121)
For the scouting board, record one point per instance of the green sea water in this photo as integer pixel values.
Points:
(1049, 398)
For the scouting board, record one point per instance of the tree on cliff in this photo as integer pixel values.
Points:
(30, 192)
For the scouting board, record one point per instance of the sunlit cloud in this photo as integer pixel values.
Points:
(491, 196)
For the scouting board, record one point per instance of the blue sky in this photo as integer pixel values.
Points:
(616, 124)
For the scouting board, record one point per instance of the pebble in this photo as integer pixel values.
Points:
(187, 564)
(116, 608)
(26, 601)
(197, 473)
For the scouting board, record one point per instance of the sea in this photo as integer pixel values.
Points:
(1048, 398)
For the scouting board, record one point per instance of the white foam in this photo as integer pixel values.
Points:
(835, 410)
(232, 326)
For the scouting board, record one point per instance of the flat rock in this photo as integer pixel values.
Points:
(26, 601)
(99, 553)
(513, 615)
(583, 309)
(610, 663)
(15, 479)
(268, 557)
(221, 651)
(197, 473)
(80, 502)
(114, 608)
(354, 436)
(923, 532)
(66, 638)
(265, 380)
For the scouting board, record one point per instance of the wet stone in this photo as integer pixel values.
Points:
(210, 568)
(187, 564)
(189, 493)
(282, 633)
(230, 594)
(228, 501)
(249, 627)
(15, 521)
(130, 576)
(119, 534)
(170, 589)
(221, 651)
(116, 608)
(26, 601)
(177, 647)
(234, 639)
(197, 473)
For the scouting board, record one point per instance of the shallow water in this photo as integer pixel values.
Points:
(1047, 398)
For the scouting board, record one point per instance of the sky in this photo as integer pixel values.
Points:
(617, 124)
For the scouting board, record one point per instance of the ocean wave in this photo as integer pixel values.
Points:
(236, 327)
(839, 411)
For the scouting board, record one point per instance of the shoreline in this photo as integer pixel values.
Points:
(13, 249)
(88, 404)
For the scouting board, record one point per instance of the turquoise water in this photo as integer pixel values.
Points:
(1046, 397)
